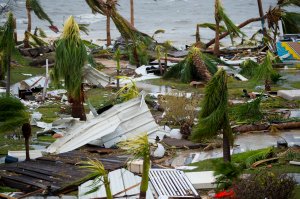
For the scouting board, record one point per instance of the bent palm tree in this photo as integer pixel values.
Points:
(34, 5)
(214, 114)
(7, 45)
(70, 57)
(220, 16)
(13, 115)
(140, 148)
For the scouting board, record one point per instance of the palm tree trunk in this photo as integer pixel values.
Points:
(26, 130)
(132, 12)
(107, 187)
(77, 106)
(2, 72)
(108, 36)
(226, 147)
(166, 61)
(201, 68)
(267, 85)
(8, 78)
(160, 67)
(145, 177)
(217, 37)
(261, 14)
(26, 39)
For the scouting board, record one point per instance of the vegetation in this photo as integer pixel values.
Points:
(70, 58)
(7, 46)
(265, 185)
(214, 117)
(140, 148)
(101, 175)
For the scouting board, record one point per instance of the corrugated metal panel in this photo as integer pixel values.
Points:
(95, 77)
(121, 122)
(172, 183)
(120, 180)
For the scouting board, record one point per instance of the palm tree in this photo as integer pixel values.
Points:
(117, 57)
(132, 12)
(7, 45)
(70, 56)
(13, 115)
(167, 46)
(101, 176)
(214, 114)
(220, 16)
(34, 5)
(158, 50)
(140, 148)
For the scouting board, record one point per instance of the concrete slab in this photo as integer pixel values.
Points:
(202, 180)
(289, 94)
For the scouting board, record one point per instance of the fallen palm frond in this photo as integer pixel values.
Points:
(196, 66)
(84, 28)
(291, 22)
(40, 32)
(35, 40)
(248, 68)
(267, 153)
(248, 112)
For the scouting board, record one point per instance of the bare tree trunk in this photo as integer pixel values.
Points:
(26, 39)
(2, 72)
(8, 77)
(132, 12)
(160, 67)
(198, 39)
(267, 85)
(166, 61)
(108, 36)
(26, 130)
(226, 148)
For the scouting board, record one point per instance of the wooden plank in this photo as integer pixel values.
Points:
(31, 174)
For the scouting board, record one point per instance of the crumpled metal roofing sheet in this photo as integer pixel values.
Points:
(172, 183)
(122, 121)
(120, 180)
(95, 77)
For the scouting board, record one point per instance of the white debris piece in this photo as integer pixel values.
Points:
(56, 93)
(202, 180)
(238, 62)
(21, 155)
(159, 151)
(175, 133)
(122, 121)
(122, 181)
(37, 81)
(289, 94)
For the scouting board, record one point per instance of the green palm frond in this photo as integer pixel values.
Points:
(265, 69)
(248, 112)
(267, 153)
(35, 39)
(288, 3)
(159, 31)
(12, 113)
(212, 27)
(70, 58)
(117, 57)
(214, 114)
(128, 91)
(291, 22)
(230, 26)
(84, 28)
(158, 50)
(138, 146)
(248, 68)
(38, 10)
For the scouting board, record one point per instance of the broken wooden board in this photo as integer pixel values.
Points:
(182, 143)
(56, 174)
(255, 164)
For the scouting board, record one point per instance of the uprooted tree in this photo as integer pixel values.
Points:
(197, 66)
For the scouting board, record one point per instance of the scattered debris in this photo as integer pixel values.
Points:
(289, 94)
(202, 180)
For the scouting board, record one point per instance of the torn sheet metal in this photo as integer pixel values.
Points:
(95, 77)
(37, 81)
(172, 183)
(121, 181)
(120, 122)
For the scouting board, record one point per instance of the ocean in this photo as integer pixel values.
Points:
(177, 17)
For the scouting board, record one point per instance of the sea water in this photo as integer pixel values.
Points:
(177, 17)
